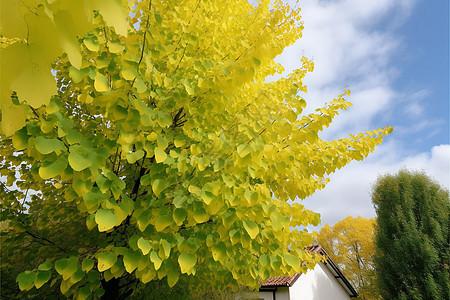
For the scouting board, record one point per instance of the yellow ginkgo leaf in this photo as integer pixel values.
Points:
(101, 83)
(187, 261)
(106, 219)
(251, 228)
(160, 155)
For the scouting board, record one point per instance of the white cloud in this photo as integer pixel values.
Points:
(415, 108)
(347, 51)
(349, 192)
(352, 43)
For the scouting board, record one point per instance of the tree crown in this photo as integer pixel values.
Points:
(161, 151)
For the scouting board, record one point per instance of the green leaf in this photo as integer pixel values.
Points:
(162, 221)
(179, 141)
(135, 156)
(188, 87)
(275, 263)
(207, 197)
(144, 220)
(93, 198)
(131, 260)
(156, 260)
(251, 228)
(51, 170)
(77, 276)
(87, 265)
(327, 159)
(145, 180)
(140, 85)
(212, 187)
(91, 44)
(78, 162)
(129, 73)
(61, 265)
(54, 106)
(219, 252)
(179, 215)
(200, 215)
(243, 150)
(166, 247)
(164, 119)
(158, 186)
(20, 139)
(36, 92)
(101, 83)
(106, 219)
(144, 245)
(160, 155)
(162, 143)
(46, 146)
(45, 266)
(172, 277)
(13, 118)
(67, 266)
(92, 277)
(73, 137)
(179, 201)
(225, 70)
(83, 293)
(264, 260)
(26, 280)
(106, 260)
(292, 261)
(90, 222)
(115, 48)
(114, 14)
(187, 261)
(42, 278)
(315, 219)
(77, 75)
(158, 18)
(302, 103)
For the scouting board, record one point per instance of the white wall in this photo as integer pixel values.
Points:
(282, 293)
(266, 295)
(317, 284)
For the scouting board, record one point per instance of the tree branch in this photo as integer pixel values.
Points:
(45, 239)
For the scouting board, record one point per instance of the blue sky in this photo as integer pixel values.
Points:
(424, 61)
(393, 56)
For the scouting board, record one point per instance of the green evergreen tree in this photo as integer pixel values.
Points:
(412, 237)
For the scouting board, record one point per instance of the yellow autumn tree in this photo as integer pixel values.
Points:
(350, 244)
(154, 145)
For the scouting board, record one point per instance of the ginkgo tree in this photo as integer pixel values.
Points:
(155, 148)
(350, 244)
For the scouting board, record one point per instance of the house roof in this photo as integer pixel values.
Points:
(281, 281)
(289, 281)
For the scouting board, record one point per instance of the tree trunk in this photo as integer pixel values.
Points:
(111, 288)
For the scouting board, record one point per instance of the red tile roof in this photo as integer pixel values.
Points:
(281, 281)
(288, 280)
(315, 249)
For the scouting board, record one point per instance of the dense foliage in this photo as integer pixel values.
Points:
(412, 237)
(160, 152)
(350, 244)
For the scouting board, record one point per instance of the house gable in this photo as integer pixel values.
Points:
(318, 283)
(325, 281)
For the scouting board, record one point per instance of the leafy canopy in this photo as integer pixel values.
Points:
(160, 151)
(350, 244)
(412, 237)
